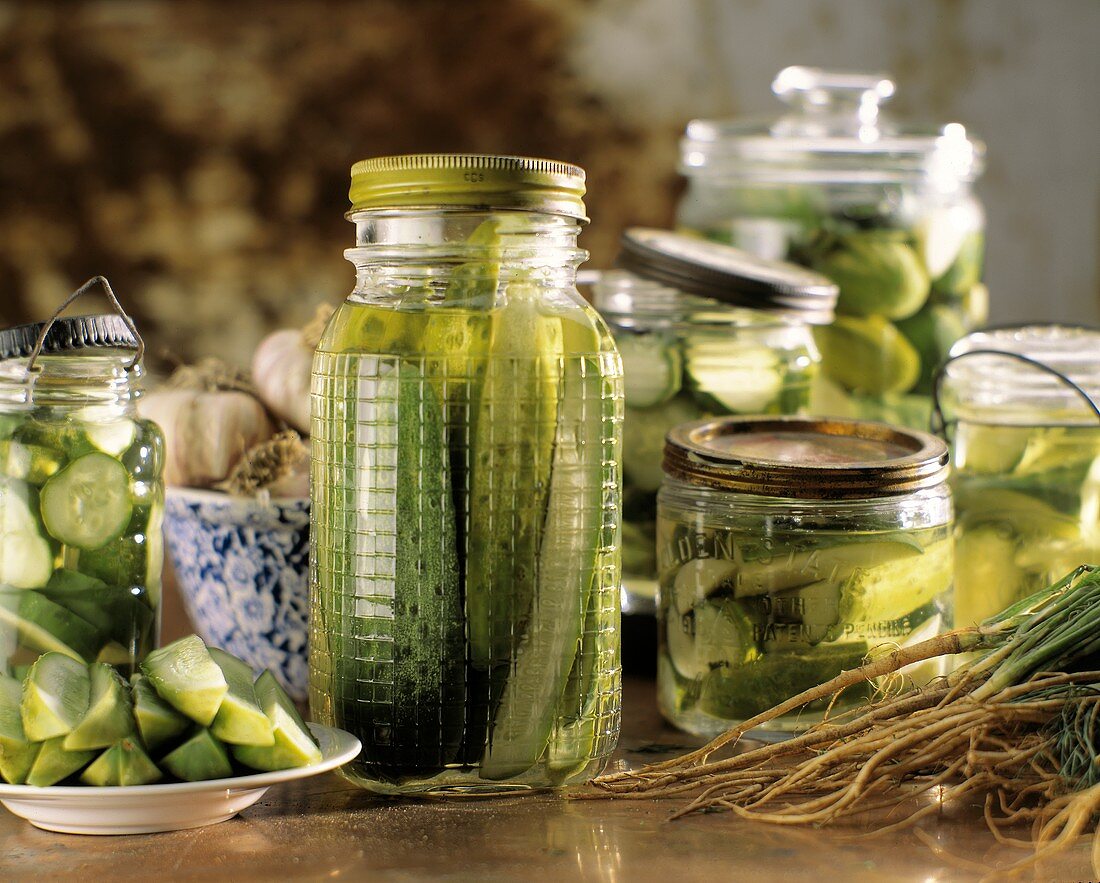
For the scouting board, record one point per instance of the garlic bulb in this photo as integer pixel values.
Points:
(281, 369)
(206, 433)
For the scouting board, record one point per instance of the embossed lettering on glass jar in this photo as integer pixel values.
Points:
(1026, 455)
(789, 549)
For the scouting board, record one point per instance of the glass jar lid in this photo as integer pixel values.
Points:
(68, 334)
(1026, 374)
(834, 131)
(476, 181)
(726, 274)
(805, 458)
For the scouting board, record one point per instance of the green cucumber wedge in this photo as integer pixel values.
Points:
(200, 758)
(568, 559)
(293, 746)
(124, 763)
(110, 715)
(510, 456)
(17, 752)
(48, 627)
(87, 504)
(157, 721)
(55, 696)
(53, 763)
(26, 557)
(186, 676)
(240, 719)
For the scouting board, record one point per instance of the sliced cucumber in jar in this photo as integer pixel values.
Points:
(716, 634)
(26, 556)
(734, 378)
(88, 503)
(30, 463)
(652, 369)
(644, 432)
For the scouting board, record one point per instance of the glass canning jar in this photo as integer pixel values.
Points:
(883, 209)
(467, 410)
(732, 337)
(1026, 453)
(81, 493)
(789, 549)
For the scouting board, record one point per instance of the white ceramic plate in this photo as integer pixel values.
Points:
(146, 809)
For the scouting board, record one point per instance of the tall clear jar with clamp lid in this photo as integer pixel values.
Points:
(81, 494)
(467, 408)
(703, 330)
(884, 209)
(1024, 411)
(791, 549)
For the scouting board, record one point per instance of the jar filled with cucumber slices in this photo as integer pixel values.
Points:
(1024, 416)
(81, 494)
(884, 209)
(791, 549)
(704, 330)
(467, 410)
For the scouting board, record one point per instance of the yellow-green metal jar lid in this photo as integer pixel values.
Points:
(427, 180)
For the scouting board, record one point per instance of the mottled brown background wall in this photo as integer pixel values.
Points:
(197, 152)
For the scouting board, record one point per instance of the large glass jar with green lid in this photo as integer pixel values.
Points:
(884, 209)
(1023, 406)
(81, 493)
(704, 330)
(467, 411)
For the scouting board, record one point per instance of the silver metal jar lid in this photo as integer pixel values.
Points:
(727, 274)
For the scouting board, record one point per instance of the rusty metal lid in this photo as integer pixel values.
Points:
(805, 457)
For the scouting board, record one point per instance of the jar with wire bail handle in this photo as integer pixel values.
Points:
(883, 208)
(791, 549)
(1021, 406)
(81, 493)
(704, 330)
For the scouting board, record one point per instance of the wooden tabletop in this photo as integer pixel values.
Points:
(325, 828)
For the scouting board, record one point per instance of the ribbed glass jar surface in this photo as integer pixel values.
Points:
(467, 408)
(81, 509)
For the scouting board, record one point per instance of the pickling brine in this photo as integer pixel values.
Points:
(464, 601)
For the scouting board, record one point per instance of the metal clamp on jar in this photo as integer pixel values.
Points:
(789, 550)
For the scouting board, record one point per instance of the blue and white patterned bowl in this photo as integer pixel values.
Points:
(243, 570)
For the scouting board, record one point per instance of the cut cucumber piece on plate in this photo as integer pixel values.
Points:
(55, 696)
(652, 369)
(294, 746)
(30, 463)
(124, 763)
(200, 758)
(26, 557)
(110, 715)
(17, 752)
(53, 763)
(733, 378)
(240, 719)
(186, 676)
(45, 626)
(87, 504)
(157, 721)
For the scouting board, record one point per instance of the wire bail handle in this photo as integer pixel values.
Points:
(83, 289)
(938, 423)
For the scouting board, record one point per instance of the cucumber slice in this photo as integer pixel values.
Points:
(186, 676)
(157, 721)
(200, 758)
(652, 369)
(293, 746)
(17, 752)
(834, 563)
(30, 463)
(88, 503)
(715, 634)
(568, 568)
(45, 626)
(55, 696)
(644, 440)
(124, 763)
(698, 579)
(110, 712)
(111, 436)
(53, 763)
(26, 558)
(240, 720)
(990, 450)
(989, 580)
(890, 590)
(733, 378)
